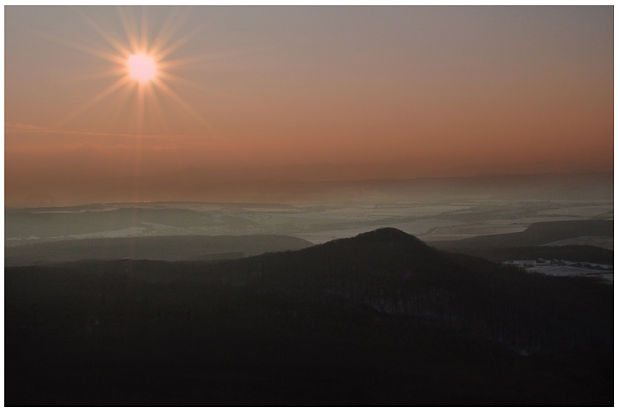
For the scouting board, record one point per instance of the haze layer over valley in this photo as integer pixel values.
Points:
(434, 210)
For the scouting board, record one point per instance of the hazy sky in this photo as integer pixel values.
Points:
(279, 94)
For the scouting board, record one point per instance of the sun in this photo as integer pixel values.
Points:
(141, 67)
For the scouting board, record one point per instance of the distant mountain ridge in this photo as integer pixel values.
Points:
(537, 233)
(573, 240)
(171, 248)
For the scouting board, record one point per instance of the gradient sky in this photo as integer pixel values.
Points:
(284, 94)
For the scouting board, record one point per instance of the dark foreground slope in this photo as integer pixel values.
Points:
(379, 319)
(151, 248)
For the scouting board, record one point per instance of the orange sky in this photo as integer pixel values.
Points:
(270, 94)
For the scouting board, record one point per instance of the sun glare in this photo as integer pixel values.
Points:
(141, 67)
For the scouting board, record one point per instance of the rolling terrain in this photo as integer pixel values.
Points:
(548, 240)
(167, 248)
(539, 233)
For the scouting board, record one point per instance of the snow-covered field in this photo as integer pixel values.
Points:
(560, 267)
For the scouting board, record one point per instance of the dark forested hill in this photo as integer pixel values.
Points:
(378, 319)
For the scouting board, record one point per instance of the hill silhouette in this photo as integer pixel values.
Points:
(377, 319)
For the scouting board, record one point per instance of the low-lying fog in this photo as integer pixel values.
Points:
(432, 209)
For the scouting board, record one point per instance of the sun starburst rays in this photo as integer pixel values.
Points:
(140, 68)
